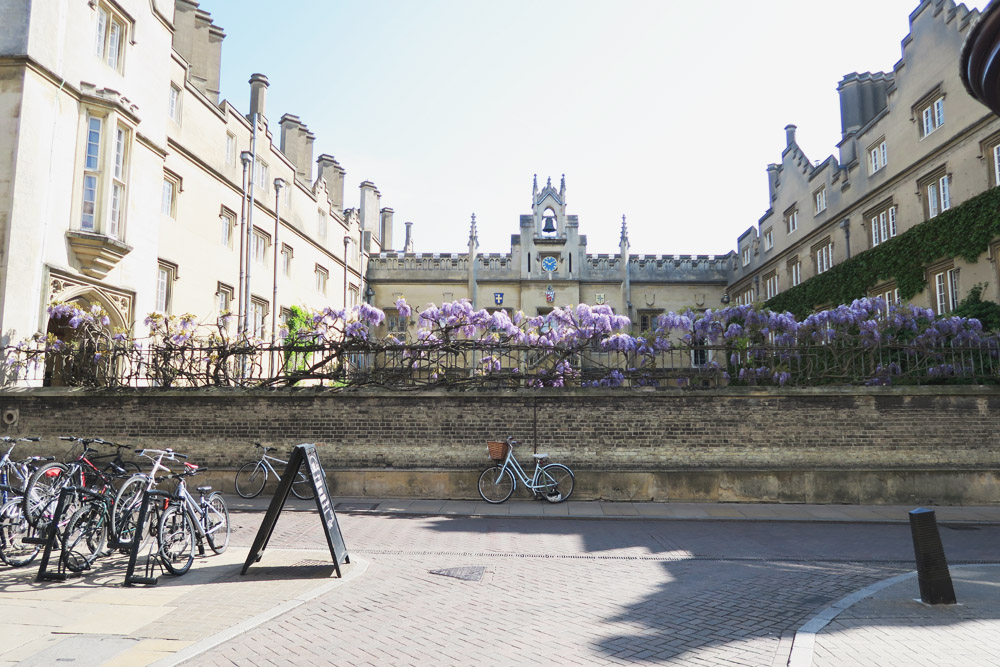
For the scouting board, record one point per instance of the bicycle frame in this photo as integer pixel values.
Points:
(197, 510)
(510, 463)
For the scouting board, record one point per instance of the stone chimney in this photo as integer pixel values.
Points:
(369, 209)
(772, 180)
(789, 135)
(862, 97)
(258, 96)
(331, 171)
(199, 41)
(386, 231)
(297, 146)
(408, 244)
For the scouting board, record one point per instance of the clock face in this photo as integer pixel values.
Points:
(549, 264)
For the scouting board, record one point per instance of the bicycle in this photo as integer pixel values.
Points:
(42, 490)
(252, 477)
(187, 521)
(21, 470)
(129, 497)
(552, 481)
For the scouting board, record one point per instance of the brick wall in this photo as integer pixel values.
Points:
(843, 429)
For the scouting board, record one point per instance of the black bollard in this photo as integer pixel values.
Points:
(932, 568)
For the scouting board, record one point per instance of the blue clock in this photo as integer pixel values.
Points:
(549, 264)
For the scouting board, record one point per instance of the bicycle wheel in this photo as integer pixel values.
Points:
(13, 528)
(217, 523)
(496, 484)
(250, 479)
(126, 507)
(84, 537)
(42, 490)
(559, 482)
(302, 487)
(177, 538)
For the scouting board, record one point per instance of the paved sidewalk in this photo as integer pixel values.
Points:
(628, 510)
(94, 620)
(886, 625)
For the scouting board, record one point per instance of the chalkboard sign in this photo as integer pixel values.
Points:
(301, 454)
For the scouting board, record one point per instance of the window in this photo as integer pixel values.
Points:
(223, 302)
(258, 246)
(746, 298)
(321, 224)
(888, 293)
(396, 323)
(168, 202)
(322, 276)
(174, 104)
(746, 256)
(883, 224)
(936, 191)
(105, 177)
(996, 165)
(647, 319)
(166, 274)
(91, 173)
(824, 256)
(794, 271)
(263, 177)
(227, 223)
(118, 175)
(258, 316)
(768, 239)
(945, 290)
(110, 37)
(230, 149)
(932, 115)
(877, 156)
(771, 286)
(792, 220)
(286, 260)
(819, 199)
(353, 296)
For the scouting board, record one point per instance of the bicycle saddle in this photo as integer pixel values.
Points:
(541, 456)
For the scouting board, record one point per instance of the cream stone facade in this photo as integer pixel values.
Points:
(914, 143)
(548, 266)
(123, 176)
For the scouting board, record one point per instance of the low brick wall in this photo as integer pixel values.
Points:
(854, 445)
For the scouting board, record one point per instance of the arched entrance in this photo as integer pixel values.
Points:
(76, 364)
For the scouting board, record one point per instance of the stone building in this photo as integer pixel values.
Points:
(914, 144)
(124, 179)
(548, 266)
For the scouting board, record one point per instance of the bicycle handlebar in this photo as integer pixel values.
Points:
(8, 438)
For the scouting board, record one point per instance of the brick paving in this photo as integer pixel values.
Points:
(566, 592)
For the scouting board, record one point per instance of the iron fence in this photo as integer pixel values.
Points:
(472, 364)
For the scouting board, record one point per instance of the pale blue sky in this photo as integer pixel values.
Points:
(667, 112)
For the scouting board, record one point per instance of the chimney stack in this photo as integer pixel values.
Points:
(386, 231)
(772, 180)
(789, 135)
(258, 96)
(408, 244)
(331, 171)
(297, 146)
(370, 197)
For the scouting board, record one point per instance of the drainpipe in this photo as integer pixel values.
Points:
(845, 224)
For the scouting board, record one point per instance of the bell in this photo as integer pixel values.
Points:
(550, 225)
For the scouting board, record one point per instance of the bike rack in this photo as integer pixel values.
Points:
(52, 535)
(152, 558)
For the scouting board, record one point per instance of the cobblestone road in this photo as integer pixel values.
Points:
(574, 592)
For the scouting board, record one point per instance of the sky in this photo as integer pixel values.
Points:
(664, 111)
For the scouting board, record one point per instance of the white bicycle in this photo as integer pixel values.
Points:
(552, 481)
(252, 477)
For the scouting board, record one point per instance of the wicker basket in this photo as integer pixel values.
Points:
(498, 450)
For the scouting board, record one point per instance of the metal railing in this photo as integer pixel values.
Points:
(476, 364)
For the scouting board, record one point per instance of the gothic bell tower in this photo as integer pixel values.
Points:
(550, 239)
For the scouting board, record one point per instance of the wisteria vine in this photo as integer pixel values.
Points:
(453, 344)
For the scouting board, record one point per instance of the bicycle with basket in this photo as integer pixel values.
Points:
(552, 481)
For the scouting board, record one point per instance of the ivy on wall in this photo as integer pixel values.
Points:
(964, 231)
